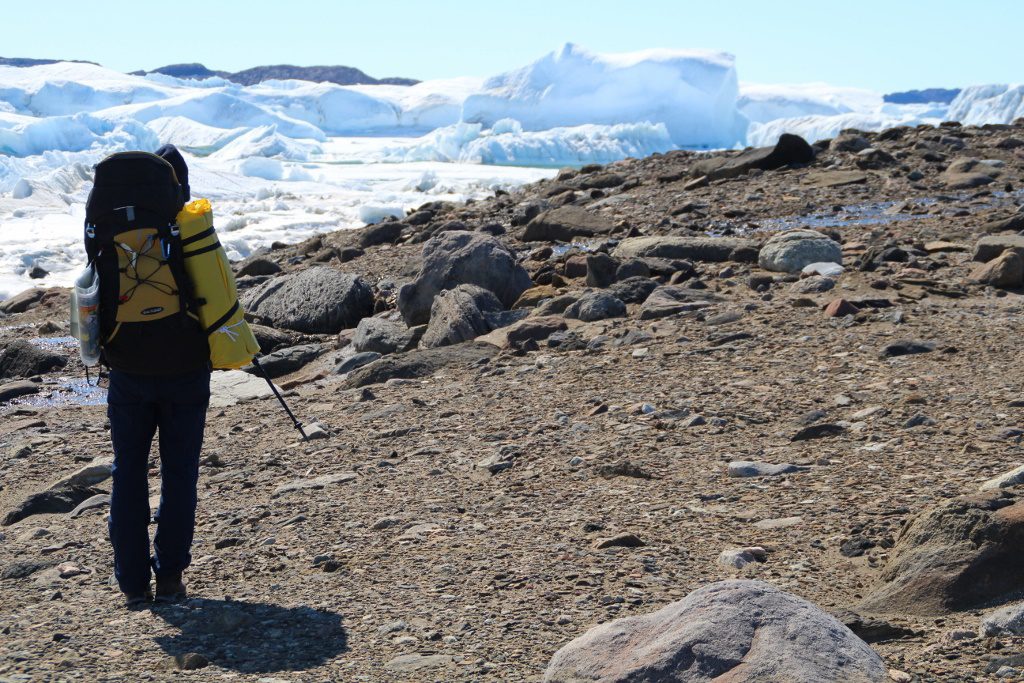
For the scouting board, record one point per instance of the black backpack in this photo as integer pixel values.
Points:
(131, 237)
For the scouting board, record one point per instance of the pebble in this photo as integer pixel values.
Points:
(738, 558)
(919, 420)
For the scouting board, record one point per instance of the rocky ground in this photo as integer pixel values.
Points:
(470, 508)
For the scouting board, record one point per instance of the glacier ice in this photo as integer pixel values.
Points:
(692, 92)
(981, 104)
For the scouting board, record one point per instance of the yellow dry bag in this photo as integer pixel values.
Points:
(232, 343)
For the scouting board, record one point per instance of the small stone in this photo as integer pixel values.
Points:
(919, 420)
(695, 421)
(190, 661)
(738, 558)
(621, 541)
(818, 431)
(839, 308)
(906, 348)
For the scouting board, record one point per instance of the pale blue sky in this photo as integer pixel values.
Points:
(883, 45)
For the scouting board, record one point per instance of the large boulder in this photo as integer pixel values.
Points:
(565, 224)
(1006, 271)
(791, 251)
(966, 173)
(960, 555)
(708, 249)
(1005, 621)
(458, 315)
(383, 336)
(53, 501)
(318, 300)
(991, 246)
(596, 306)
(634, 290)
(790, 149)
(730, 631)
(459, 257)
(22, 358)
(387, 232)
(19, 303)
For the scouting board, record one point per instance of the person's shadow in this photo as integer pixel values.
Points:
(252, 637)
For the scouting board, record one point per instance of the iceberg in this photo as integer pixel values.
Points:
(762, 103)
(691, 92)
(506, 143)
(982, 104)
(820, 127)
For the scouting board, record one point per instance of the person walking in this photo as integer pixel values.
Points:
(159, 360)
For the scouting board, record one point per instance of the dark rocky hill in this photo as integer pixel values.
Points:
(25, 61)
(342, 75)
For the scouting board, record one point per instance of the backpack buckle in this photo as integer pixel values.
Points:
(175, 230)
(90, 231)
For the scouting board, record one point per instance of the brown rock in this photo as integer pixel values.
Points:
(1004, 272)
(576, 266)
(533, 296)
(565, 224)
(838, 308)
(958, 556)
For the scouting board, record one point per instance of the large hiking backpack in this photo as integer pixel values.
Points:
(158, 258)
(132, 237)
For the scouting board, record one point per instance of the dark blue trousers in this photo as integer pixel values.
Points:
(139, 405)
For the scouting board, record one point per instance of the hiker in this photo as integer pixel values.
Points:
(161, 295)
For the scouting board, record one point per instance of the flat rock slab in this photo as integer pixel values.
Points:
(97, 471)
(906, 348)
(419, 363)
(1005, 480)
(778, 523)
(991, 246)
(315, 483)
(708, 249)
(416, 662)
(672, 299)
(94, 503)
(835, 178)
(745, 468)
(54, 501)
(736, 631)
(12, 390)
(565, 224)
(230, 387)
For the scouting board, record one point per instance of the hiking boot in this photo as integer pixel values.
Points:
(136, 600)
(170, 588)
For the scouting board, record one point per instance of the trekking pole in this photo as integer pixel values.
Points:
(298, 425)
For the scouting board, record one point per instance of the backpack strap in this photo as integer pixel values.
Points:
(171, 243)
